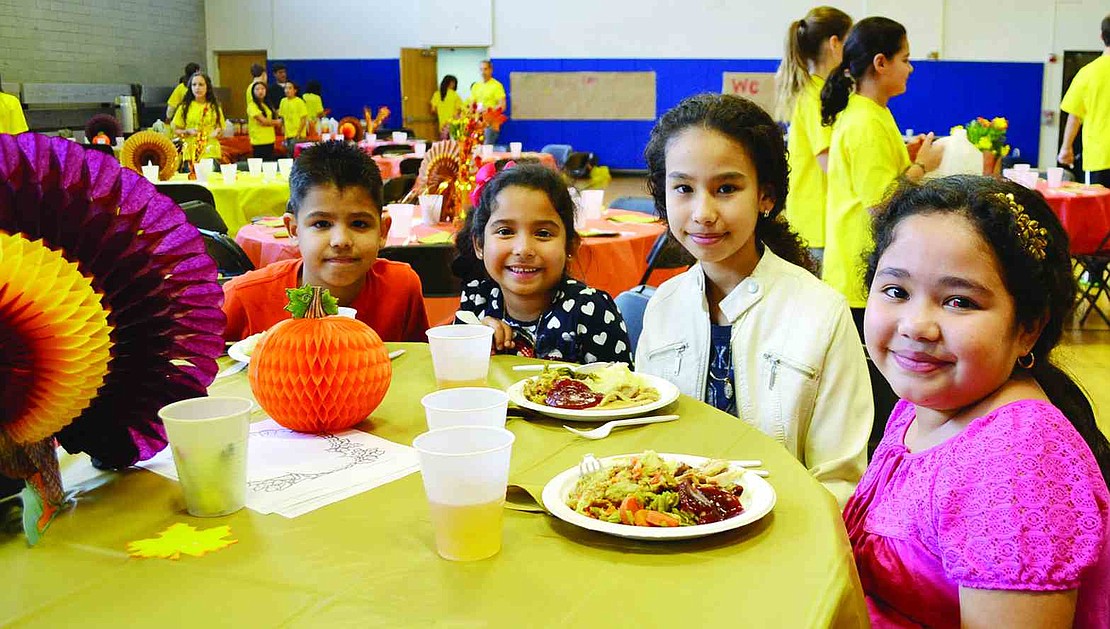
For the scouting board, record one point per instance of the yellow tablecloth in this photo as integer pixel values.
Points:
(370, 560)
(248, 197)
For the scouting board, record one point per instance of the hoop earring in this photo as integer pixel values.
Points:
(1032, 360)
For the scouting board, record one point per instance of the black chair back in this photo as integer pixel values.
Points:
(391, 149)
(395, 189)
(411, 165)
(183, 192)
(203, 215)
(666, 253)
(229, 257)
(432, 263)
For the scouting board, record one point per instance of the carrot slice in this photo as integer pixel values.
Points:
(629, 506)
(658, 518)
(640, 518)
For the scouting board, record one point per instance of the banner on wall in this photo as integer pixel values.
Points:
(582, 95)
(755, 86)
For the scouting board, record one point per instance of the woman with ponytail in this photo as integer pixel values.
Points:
(866, 152)
(986, 503)
(814, 46)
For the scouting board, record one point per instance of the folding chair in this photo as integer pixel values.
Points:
(229, 257)
(432, 263)
(632, 304)
(183, 192)
(644, 205)
(395, 189)
(1096, 266)
(666, 253)
(559, 151)
(203, 215)
(411, 165)
(391, 149)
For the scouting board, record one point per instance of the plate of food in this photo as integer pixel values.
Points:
(242, 350)
(652, 496)
(591, 393)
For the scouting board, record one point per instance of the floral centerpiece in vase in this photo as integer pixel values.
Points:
(989, 136)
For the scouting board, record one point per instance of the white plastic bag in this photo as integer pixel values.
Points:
(961, 157)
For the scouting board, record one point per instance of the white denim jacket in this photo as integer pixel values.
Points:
(799, 369)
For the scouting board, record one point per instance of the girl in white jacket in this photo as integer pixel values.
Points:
(749, 329)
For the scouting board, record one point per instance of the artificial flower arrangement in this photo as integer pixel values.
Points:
(989, 135)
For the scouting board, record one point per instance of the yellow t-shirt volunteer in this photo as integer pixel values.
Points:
(1089, 98)
(489, 93)
(447, 107)
(203, 118)
(805, 201)
(260, 134)
(12, 119)
(866, 156)
(294, 113)
(314, 104)
(177, 96)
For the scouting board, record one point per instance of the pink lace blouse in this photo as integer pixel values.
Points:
(1014, 502)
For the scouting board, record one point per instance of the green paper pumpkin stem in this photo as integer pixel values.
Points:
(311, 302)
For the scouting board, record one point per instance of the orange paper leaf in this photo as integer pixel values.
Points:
(182, 538)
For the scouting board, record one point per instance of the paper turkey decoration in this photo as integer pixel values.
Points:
(86, 217)
(351, 128)
(103, 123)
(150, 147)
(439, 173)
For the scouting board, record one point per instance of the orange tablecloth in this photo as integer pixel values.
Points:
(612, 264)
(1084, 211)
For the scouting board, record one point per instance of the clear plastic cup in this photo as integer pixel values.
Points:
(150, 171)
(269, 171)
(400, 136)
(515, 148)
(209, 440)
(466, 471)
(254, 166)
(469, 406)
(1055, 177)
(592, 201)
(229, 171)
(419, 149)
(430, 207)
(401, 214)
(460, 354)
(285, 166)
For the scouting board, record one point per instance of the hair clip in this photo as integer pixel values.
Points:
(1034, 238)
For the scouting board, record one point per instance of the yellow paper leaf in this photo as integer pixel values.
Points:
(182, 538)
(435, 238)
(632, 218)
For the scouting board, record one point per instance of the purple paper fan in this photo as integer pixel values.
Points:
(150, 266)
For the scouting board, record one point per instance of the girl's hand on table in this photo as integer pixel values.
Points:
(502, 333)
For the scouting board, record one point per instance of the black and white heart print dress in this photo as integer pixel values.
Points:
(582, 325)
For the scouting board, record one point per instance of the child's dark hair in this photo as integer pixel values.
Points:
(445, 85)
(869, 37)
(260, 103)
(1041, 289)
(313, 87)
(1106, 30)
(191, 68)
(209, 95)
(467, 266)
(296, 89)
(804, 39)
(747, 124)
(340, 164)
(257, 69)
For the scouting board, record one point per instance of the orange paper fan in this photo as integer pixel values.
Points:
(55, 335)
(150, 147)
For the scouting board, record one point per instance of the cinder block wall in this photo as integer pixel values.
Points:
(100, 41)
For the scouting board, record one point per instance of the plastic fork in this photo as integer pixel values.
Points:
(589, 465)
(603, 430)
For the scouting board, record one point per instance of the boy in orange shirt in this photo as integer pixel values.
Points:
(335, 216)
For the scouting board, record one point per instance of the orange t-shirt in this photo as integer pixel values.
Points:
(391, 301)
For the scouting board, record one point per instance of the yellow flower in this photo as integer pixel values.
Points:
(1005, 151)
(1000, 123)
(985, 143)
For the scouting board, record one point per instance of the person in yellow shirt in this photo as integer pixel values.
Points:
(314, 104)
(177, 96)
(489, 93)
(261, 122)
(12, 119)
(446, 103)
(814, 46)
(866, 151)
(294, 116)
(199, 120)
(1087, 103)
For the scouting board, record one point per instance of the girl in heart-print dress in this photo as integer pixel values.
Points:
(513, 252)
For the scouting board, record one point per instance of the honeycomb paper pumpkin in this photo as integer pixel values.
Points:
(319, 373)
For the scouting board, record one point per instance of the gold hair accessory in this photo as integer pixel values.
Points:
(1033, 237)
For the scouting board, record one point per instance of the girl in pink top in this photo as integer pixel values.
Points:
(986, 504)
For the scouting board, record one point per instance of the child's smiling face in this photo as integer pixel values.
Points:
(524, 249)
(940, 323)
(339, 233)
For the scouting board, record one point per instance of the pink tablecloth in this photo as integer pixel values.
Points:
(366, 145)
(390, 165)
(1084, 212)
(613, 263)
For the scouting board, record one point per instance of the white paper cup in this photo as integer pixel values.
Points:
(254, 165)
(469, 406)
(285, 165)
(430, 207)
(486, 150)
(419, 149)
(345, 311)
(209, 440)
(592, 202)
(269, 171)
(204, 169)
(1029, 179)
(1021, 167)
(401, 213)
(119, 143)
(515, 148)
(150, 171)
(1055, 177)
(460, 354)
(325, 137)
(400, 136)
(229, 172)
(466, 471)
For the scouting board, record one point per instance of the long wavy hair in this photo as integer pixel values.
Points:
(752, 128)
(449, 82)
(209, 95)
(804, 39)
(1043, 290)
(869, 37)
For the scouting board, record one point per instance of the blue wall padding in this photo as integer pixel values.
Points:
(941, 94)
